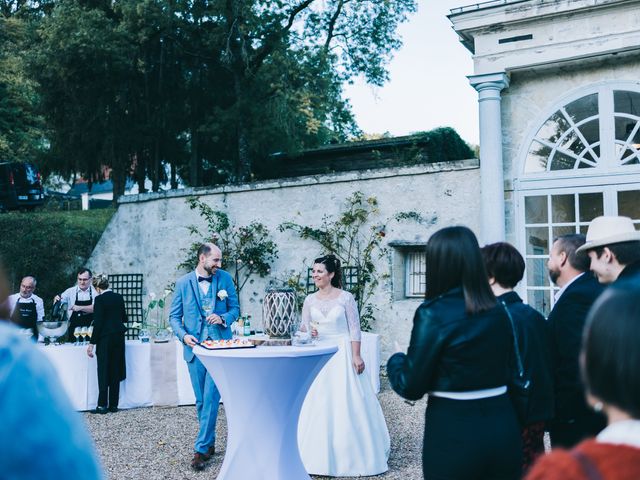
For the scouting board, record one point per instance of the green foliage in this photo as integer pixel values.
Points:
(205, 89)
(50, 246)
(356, 242)
(246, 250)
(444, 144)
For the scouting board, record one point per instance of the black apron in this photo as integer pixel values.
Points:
(80, 319)
(25, 315)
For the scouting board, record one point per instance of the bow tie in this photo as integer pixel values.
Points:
(205, 279)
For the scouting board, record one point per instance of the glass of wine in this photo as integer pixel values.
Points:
(76, 333)
(84, 333)
(207, 307)
(89, 332)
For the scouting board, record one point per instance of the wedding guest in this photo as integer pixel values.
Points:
(613, 247)
(505, 267)
(42, 437)
(609, 362)
(109, 326)
(79, 300)
(342, 431)
(569, 269)
(208, 283)
(459, 354)
(26, 307)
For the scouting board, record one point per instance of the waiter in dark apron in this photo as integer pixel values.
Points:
(79, 300)
(26, 307)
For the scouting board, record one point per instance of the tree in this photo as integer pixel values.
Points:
(21, 126)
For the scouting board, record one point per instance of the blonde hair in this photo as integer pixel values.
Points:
(101, 281)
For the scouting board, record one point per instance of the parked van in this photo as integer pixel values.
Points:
(20, 186)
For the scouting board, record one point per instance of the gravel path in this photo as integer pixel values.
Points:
(156, 443)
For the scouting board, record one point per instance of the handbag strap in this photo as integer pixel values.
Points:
(516, 348)
(587, 465)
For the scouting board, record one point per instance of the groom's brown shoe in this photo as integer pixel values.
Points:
(210, 453)
(197, 463)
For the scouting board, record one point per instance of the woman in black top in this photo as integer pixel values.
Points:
(459, 354)
(505, 267)
(109, 319)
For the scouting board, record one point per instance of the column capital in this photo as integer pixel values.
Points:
(497, 81)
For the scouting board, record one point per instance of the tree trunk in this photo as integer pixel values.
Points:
(119, 179)
(243, 167)
(141, 170)
(194, 160)
(174, 176)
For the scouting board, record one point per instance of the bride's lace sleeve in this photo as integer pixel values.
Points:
(353, 319)
(306, 315)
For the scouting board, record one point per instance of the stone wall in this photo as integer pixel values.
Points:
(149, 231)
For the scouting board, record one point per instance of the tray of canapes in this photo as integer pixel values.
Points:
(227, 344)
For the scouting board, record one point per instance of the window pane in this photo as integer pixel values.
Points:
(537, 274)
(583, 107)
(553, 128)
(560, 161)
(557, 231)
(563, 209)
(416, 273)
(537, 241)
(591, 131)
(629, 204)
(626, 102)
(535, 209)
(624, 128)
(537, 158)
(590, 205)
(539, 299)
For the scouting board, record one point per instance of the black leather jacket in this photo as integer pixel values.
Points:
(451, 350)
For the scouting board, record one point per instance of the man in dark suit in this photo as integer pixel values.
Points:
(578, 290)
(204, 306)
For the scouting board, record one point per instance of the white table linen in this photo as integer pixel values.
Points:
(78, 375)
(263, 389)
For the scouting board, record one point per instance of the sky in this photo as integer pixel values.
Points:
(428, 87)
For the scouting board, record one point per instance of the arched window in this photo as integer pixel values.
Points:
(582, 161)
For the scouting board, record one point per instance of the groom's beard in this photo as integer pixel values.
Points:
(210, 270)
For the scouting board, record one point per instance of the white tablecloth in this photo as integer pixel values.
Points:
(78, 375)
(263, 389)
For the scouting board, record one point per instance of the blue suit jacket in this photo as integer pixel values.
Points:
(187, 316)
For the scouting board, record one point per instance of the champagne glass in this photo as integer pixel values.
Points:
(90, 331)
(314, 326)
(84, 333)
(76, 333)
(207, 307)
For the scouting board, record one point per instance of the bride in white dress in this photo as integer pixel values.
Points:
(342, 431)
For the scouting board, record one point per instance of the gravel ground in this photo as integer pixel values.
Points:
(156, 443)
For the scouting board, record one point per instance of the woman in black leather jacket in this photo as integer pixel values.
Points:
(459, 354)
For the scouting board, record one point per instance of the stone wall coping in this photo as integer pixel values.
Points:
(338, 177)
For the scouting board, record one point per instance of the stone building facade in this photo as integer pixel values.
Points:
(149, 231)
(559, 100)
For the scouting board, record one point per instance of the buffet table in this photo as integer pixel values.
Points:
(270, 383)
(156, 373)
(78, 375)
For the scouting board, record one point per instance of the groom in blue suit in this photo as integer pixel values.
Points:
(210, 286)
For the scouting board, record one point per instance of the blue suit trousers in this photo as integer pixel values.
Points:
(207, 403)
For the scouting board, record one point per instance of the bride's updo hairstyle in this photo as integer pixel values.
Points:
(332, 264)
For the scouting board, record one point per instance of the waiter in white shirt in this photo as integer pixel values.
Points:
(79, 300)
(26, 307)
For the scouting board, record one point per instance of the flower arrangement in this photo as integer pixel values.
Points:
(153, 317)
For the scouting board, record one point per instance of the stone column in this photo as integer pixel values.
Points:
(491, 168)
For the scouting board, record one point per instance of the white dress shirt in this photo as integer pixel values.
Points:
(15, 298)
(69, 296)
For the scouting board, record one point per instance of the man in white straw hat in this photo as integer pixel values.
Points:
(613, 245)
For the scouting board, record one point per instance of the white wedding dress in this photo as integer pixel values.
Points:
(342, 431)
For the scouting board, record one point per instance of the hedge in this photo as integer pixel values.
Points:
(50, 246)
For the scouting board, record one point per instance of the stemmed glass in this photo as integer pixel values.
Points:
(76, 333)
(84, 332)
(89, 332)
(207, 307)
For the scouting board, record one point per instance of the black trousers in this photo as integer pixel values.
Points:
(111, 369)
(471, 439)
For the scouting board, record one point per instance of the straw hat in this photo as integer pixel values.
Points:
(607, 230)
